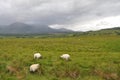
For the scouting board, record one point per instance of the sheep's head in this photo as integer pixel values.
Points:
(61, 56)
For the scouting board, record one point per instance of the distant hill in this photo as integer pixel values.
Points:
(108, 31)
(22, 28)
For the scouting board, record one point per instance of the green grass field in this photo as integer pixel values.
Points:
(92, 58)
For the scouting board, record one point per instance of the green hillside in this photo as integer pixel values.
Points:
(109, 31)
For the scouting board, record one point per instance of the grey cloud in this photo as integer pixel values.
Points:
(63, 12)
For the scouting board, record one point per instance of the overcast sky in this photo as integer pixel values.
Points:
(80, 15)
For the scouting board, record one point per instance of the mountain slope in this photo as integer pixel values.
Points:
(22, 28)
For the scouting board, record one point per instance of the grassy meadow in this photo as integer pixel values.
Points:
(92, 58)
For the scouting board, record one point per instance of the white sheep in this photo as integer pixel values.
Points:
(37, 56)
(65, 56)
(34, 67)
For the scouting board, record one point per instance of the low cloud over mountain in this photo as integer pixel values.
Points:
(22, 28)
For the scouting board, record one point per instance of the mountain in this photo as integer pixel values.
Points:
(22, 28)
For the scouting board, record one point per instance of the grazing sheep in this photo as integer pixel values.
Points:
(34, 67)
(37, 56)
(65, 56)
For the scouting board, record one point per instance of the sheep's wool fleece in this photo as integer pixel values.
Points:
(37, 55)
(65, 56)
(34, 67)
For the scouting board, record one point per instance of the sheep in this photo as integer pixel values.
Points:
(34, 67)
(65, 56)
(37, 56)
